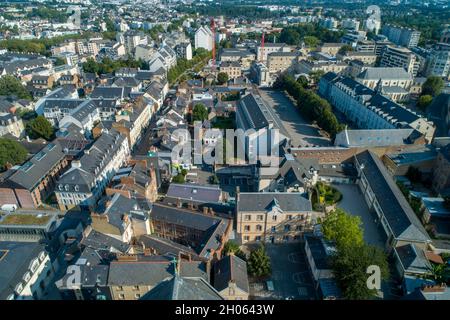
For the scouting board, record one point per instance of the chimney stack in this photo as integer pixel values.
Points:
(205, 210)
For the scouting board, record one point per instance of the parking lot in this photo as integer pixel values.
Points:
(302, 132)
(290, 274)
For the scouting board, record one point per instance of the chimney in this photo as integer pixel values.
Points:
(191, 206)
(76, 164)
(237, 193)
(179, 205)
(205, 210)
(211, 211)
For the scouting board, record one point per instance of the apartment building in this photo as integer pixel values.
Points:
(204, 38)
(231, 68)
(11, 124)
(272, 217)
(88, 177)
(29, 185)
(438, 62)
(263, 53)
(309, 66)
(402, 36)
(184, 50)
(281, 61)
(370, 109)
(330, 48)
(241, 55)
(400, 57)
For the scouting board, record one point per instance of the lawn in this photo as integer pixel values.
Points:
(25, 219)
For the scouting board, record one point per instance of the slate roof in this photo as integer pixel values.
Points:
(31, 172)
(318, 252)
(15, 258)
(165, 246)
(261, 201)
(400, 217)
(183, 288)
(195, 192)
(413, 259)
(108, 92)
(231, 269)
(256, 114)
(183, 217)
(439, 113)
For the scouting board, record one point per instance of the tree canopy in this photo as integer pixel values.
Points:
(311, 105)
(343, 228)
(259, 263)
(11, 152)
(232, 247)
(222, 77)
(432, 86)
(40, 127)
(10, 85)
(350, 269)
(199, 112)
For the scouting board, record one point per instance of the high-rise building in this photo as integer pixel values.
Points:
(399, 57)
(204, 38)
(402, 36)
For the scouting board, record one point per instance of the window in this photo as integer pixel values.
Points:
(287, 228)
(285, 238)
(260, 217)
(258, 238)
(119, 288)
(135, 287)
(246, 238)
(272, 229)
(298, 228)
(247, 217)
(258, 227)
(289, 217)
(274, 218)
(122, 296)
(247, 228)
(137, 296)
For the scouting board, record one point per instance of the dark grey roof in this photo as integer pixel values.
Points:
(318, 252)
(151, 270)
(231, 269)
(183, 288)
(100, 241)
(400, 217)
(31, 172)
(263, 201)
(439, 113)
(256, 114)
(15, 259)
(195, 192)
(183, 217)
(165, 246)
(108, 92)
(120, 206)
(413, 259)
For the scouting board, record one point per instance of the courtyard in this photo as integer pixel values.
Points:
(290, 274)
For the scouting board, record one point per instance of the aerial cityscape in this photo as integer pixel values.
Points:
(225, 150)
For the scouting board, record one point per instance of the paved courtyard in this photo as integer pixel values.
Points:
(353, 202)
(290, 275)
(301, 131)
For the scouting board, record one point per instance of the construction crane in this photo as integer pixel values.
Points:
(262, 48)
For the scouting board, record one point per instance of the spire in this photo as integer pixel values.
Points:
(379, 87)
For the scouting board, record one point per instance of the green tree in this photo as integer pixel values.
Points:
(424, 101)
(199, 113)
(179, 178)
(311, 41)
(344, 49)
(213, 179)
(10, 85)
(303, 81)
(222, 77)
(432, 86)
(349, 266)
(11, 152)
(40, 127)
(91, 66)
(342, 228)
(232, 247)
(259, 263)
